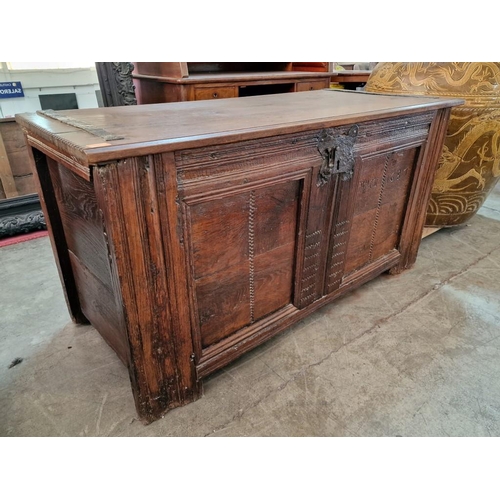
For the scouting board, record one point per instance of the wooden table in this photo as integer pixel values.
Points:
(189, 233)
(158, 89)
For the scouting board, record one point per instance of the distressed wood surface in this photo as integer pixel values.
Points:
(144, 261)
(157, 128)
(43, 166)
(186, 258)
(6, 176)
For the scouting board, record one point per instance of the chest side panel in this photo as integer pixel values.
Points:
(88, 251)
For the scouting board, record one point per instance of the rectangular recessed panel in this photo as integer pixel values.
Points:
(382, 193)
(83, 226)
(276, 211)
(243, 252)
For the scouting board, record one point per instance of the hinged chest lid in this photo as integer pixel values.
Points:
(91, 136)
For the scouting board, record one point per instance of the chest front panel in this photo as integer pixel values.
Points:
(244, 215)
(243, 253)
(273, 225)
(381, 194)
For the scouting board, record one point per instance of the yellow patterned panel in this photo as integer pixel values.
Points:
(469, 166)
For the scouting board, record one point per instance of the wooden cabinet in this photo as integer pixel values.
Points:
(189, 233)
(350, 79)
(20, 210)
(309, 85)
(157, 82)
(222, 92)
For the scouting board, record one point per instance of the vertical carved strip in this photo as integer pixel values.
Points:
(379, 204)
(251, 253)
(425, 172)
(343, 212)
(140, 221)
(116, 83)
(336, 269)
(311, 266)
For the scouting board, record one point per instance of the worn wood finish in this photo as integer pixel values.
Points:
(44, 166)
(192, 240)
(145, 267)
(157, 128)
(87, 244)
(14, 161)
(6, 176)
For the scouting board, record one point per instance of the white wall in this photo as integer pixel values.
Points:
(81, 81)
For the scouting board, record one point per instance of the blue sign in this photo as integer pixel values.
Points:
(11, 89)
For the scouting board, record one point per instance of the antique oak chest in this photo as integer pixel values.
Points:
(189, 233)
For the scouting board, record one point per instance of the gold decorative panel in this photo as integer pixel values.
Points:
(469, 166)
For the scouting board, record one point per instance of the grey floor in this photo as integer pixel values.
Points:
(409, 355)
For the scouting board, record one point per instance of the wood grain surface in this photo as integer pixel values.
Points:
(217, 225)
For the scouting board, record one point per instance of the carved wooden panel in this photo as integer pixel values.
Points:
(340, 231)
(88, 251)
(242, 248)
(381, 194)
(245, 229)
(370, 208)
(115, 81)
(82, 221)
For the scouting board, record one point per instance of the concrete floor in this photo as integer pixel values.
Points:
(409, 355)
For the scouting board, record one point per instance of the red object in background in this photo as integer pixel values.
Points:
(22, 237)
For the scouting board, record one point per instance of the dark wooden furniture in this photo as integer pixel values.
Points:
(312, 66)
(351, 79)
(20, 209)
(116, 83)
(158, 82)
(189, 233)
(351, 76)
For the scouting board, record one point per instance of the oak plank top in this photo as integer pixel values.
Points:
(156, 128)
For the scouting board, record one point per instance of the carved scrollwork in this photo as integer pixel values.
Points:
(337, 152)
(22, 223)
(115, 80)
(123, 77)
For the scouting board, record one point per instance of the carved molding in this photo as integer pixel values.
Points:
(115, 80)
(23, 223)
(22, 214)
